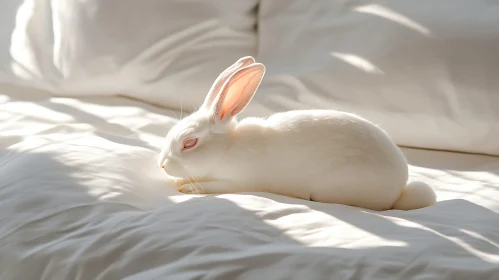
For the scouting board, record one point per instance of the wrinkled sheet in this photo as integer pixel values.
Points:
(81, 197)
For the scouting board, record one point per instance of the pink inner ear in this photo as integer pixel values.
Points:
(240, 90)
(234, 112)
(214, 91)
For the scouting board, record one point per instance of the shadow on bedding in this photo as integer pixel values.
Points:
(54, 222)
(53, 226)
(452, 161)
(455, 238)
(45, 215)
(124, 124)
(8, 16)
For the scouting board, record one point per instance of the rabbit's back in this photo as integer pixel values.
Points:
(327, 155)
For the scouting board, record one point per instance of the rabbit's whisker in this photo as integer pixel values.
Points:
(193, 179)
(181, 109)
(175, 114)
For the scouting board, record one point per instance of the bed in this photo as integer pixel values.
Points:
(84, 111)
(81, 197)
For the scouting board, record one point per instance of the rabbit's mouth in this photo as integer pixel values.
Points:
(178, 182)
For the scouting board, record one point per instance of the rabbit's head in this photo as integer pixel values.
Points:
(198, 142)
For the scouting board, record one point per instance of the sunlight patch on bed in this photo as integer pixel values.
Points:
(316, 229)
(481, 237)
(392, 15)
(81, 107)
(4, 98)
(23, 128)
(28, 109)
(358, 62)
(5, 116)
(311, 227)
(458, 242)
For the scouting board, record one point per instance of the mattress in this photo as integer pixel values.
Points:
(81, 197)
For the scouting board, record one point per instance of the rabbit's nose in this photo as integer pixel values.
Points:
(163, 163)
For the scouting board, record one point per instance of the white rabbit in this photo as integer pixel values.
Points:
(320, 155)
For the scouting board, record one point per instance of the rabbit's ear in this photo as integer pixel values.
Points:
(222, 78)
(237, 92)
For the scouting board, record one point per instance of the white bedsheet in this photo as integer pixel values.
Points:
(82, 198)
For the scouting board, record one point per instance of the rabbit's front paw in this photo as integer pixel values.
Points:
(191, 189)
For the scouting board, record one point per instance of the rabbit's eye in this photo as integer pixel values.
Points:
(189, 143)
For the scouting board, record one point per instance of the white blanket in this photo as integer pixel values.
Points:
(81, 197)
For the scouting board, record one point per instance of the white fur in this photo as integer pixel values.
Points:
(321, 155)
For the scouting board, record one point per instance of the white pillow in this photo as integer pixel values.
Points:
(425, 71)
(164, 52)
